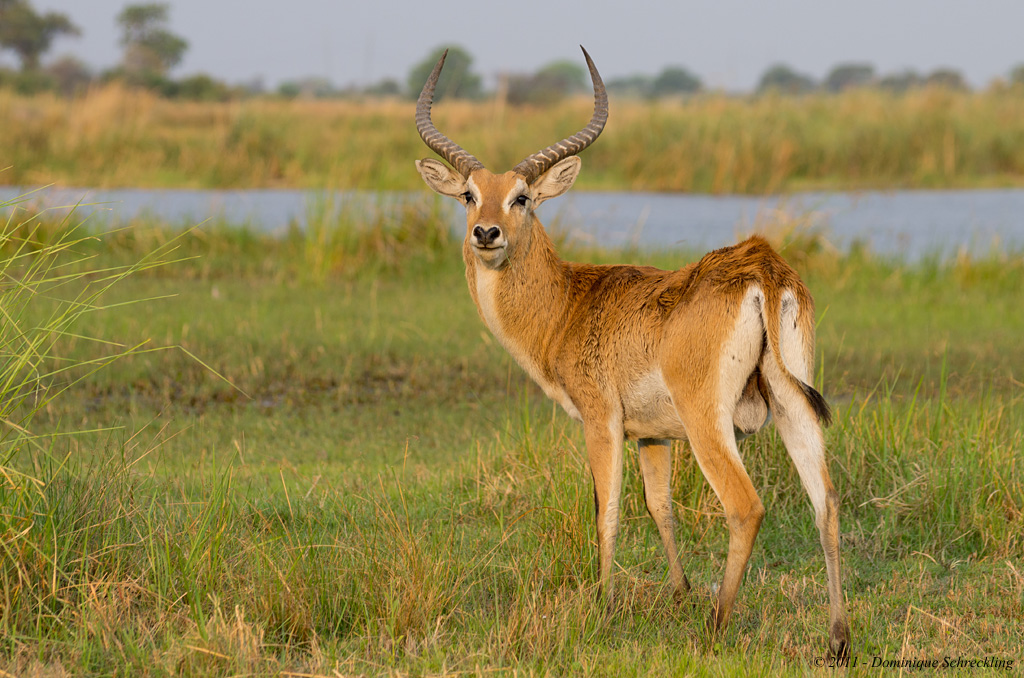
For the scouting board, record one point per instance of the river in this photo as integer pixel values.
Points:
(907, 224)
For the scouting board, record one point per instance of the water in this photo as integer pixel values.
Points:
(910, 224)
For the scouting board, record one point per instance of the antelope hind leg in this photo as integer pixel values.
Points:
(801, 433)
(714, 446)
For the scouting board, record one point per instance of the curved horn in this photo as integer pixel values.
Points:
(462, 161)
(541, 161)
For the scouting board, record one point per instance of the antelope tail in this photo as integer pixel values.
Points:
(772, 317)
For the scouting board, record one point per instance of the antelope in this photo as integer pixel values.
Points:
(704, 353)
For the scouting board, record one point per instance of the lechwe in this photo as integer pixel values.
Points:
(700, 354)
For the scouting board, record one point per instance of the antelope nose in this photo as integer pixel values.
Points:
(485, 236)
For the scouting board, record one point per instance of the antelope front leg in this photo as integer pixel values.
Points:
(604, 450)
(656, 468)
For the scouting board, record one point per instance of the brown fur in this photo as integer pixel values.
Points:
(699, 353)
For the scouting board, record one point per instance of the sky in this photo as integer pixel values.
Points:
(727, 43)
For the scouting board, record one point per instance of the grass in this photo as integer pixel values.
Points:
(929, 138)
(380, 490)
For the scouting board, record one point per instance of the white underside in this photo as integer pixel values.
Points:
(648, 409)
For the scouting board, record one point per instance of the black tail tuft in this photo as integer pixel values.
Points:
(818, 404)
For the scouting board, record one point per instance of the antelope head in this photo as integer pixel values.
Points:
(499, 207)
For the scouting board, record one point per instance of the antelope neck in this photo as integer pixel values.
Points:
(523, 302)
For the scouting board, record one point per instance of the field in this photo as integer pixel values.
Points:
(929, 138)
(313, 460)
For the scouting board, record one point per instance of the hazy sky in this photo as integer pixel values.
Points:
(728, 43)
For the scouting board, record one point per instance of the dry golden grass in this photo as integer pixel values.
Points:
(928, 138)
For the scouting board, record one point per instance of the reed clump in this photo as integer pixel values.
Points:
(927, 138)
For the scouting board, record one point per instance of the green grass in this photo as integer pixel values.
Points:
(380, 490)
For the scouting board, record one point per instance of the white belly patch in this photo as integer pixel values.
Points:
(648, 409)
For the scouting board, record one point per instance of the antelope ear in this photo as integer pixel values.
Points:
(556, 180)
(441, 178)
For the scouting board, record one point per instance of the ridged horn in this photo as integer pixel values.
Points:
(456, 156)
(541, 161)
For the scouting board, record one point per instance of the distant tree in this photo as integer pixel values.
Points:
(675, 80)
(782, 78)
(549, 85)
(517, 88)
(203, 87)
(901, 82)
(631, 86)
(70, 75)
(289, 89)
(948, 78)
(457, 81)
(26, 82)
(1017, 74)
(8, 76)
(567, 77)
(845, 76)
(313, 87)
(253, 86)
(29, 34)
(385, 88)
(149, 48)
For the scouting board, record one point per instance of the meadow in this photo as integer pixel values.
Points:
(712, 143)
(303, 455)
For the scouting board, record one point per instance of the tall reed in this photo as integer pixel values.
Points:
(926, 138)
(43, 271)
(47, 288)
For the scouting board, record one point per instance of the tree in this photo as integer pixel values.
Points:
(845, 76)
(387, 87)
(948, 78)
(289, 89)
(312, 87)
(1017, 75)
(30, 34)
(549, 85)
(901, 82)
(456, 80)
(782, 78)
(635, 86)
(70, 75)
(149, 48)
(567, 77)
(675, 80)
(202, 87)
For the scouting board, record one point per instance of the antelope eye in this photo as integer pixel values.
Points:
(522, 200)
(468, 198)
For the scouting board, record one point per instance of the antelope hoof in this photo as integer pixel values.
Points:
(717, 621)
(839, 641)
(682, 592)
(714, 629)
